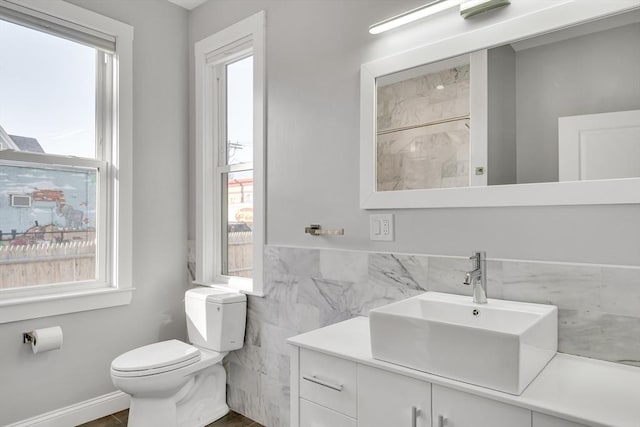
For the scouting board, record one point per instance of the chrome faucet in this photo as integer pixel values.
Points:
(478, 277)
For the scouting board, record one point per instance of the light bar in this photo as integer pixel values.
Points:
(467, 10)
(412, 15)
(474, 7)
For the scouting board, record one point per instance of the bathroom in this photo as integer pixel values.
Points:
(582, 256)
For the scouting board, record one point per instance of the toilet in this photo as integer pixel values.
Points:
(175, 384)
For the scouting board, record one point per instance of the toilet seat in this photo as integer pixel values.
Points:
(155, 359)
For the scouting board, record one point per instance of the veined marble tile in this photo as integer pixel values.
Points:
(237, 400)
(279, 286)
(567, 286)
(494, 279)
(299, 316)
(242, 378)
(620, 291)
(254, 406)
(426, 157)
(274, 338)
(599, 335)
(296, 262)
(349, 266)
(404, 272)
(335, 300)
(447, 275)
(307, 289)
(423, 98)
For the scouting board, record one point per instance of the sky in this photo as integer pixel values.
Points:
(47, 90)
(240, 110)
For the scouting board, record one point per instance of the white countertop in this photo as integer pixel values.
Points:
(578, 389)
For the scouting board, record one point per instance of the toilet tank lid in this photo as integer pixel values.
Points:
(215, 295)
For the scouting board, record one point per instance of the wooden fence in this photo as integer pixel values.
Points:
(240, 253)
(39, 264)
(26, 265)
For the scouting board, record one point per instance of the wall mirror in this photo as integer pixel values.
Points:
(545, 116)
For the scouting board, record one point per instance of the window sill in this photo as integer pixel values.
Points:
(222, 285)
(32, 307)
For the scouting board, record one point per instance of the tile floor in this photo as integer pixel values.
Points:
(119, 419)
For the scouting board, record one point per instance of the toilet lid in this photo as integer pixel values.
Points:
(156, 358)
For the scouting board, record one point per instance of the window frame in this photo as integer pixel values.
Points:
(245, 38)
(113, 286)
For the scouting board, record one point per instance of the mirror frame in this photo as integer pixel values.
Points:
(610, 191)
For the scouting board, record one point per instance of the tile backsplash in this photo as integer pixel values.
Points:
(599, 308)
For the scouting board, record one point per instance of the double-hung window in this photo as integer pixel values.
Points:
(65, 172)
(230, 156)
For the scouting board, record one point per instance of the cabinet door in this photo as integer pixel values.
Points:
(312, 415)
(386, 399)
(453, 408)
(542, 420)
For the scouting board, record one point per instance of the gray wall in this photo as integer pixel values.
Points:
(599, 76)
(34, 384)
(502, 148)
(314, 52)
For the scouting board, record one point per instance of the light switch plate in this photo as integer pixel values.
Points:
(381, 227)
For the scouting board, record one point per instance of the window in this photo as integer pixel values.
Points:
(230, 166)
(65, 98)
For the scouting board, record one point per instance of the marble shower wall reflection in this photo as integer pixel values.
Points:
(414, 148)
(309, 288)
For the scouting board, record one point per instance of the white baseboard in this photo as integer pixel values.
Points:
(79, 413)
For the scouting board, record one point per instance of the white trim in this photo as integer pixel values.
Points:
(479, 112)
(294, 378)
(556, 16)
(57, 303)
(79, 413)
(115, 183)
(251, 32)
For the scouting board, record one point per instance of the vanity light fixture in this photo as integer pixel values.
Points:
(467, 10)
(412, 15)
(475, 7)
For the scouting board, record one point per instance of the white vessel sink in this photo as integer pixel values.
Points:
(500, 345)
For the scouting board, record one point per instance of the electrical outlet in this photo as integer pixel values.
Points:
(381, 227)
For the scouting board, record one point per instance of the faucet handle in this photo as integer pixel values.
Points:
(467, 279)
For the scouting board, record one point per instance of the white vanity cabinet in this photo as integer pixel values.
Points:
(335, 382)
(452, 408)
(326, 387)
(542, 420)
(387, 399)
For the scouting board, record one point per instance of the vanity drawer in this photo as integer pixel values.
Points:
(328, 381)
(312, 415)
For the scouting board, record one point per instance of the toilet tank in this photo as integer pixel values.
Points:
(216, 318)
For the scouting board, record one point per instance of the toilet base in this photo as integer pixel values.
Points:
(199, 403)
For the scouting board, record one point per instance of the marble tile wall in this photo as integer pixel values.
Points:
(424, 155)
(599, 309)
(423, 99)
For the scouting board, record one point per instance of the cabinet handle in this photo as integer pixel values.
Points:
(316, 380)
(414, 416)
(441, 421)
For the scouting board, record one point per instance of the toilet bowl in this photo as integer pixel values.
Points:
(175, 384)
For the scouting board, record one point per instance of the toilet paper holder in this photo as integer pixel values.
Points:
(28, 337)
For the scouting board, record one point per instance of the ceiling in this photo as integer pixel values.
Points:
(188, 4)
